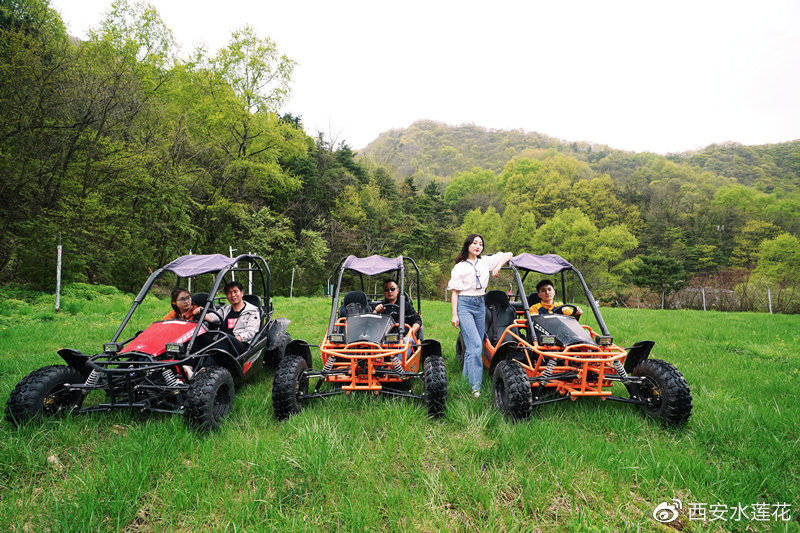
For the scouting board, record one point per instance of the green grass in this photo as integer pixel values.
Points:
(366, 463)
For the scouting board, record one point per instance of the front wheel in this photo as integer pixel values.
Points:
(43, 392)
(666, 392)
(290, 386)
(434, 385)
(460, 350)
(511, 391)
(209, 398)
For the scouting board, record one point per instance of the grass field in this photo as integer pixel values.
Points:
(364, 463)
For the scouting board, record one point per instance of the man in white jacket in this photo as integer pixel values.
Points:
(240, 319)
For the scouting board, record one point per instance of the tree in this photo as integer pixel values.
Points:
(660, 274)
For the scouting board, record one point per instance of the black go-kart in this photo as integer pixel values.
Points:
(172, 366)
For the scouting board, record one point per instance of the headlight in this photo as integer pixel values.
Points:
(112, 347)
(548, 340)
(604, 340)
(174, 348)
(337, 338)
(392, 338)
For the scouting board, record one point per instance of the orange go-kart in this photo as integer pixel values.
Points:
(544, 358)
(364, 351)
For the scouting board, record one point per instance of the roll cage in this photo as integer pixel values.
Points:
(375, 265)
(186, 267)
(549, 264)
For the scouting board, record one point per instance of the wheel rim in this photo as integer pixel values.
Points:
(58, 400)
(222, 401)
(301, 387)
(652, 395)
(499, 394)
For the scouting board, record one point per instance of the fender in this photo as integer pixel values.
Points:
(637, 353)
(430, 347)
(275, 331)
(76, 360)
(507, 350)
(226, 360)
(300, 347)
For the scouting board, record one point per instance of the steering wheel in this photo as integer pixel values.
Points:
(574, 308)
(392, 310)
(213, 325)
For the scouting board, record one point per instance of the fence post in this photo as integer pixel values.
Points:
(58, 274)
(250, 277)
(231, 249)
(769, 300)
(703, 291)
(291, 285)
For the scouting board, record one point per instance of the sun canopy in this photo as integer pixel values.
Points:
(544, 264)
(373, 265)
(194, 265)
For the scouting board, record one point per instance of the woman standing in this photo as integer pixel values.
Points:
(468, 281)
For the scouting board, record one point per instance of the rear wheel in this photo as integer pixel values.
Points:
(460, 350)
(290, 386)
(666, 392)
(434, 385)
(511, 391)
(209, 398)
(43, 393)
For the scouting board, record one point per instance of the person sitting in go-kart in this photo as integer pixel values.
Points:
(547, 301)
(391, 296)
(182, 307)
(240, 320)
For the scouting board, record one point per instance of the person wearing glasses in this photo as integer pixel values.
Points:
(391, 295)
(182, 307)
(468, 281)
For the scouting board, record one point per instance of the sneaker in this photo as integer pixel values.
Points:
(476, 393)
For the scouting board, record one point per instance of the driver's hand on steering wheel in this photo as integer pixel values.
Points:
(379, 308)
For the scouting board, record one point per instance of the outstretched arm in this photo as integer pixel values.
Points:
(504, 258)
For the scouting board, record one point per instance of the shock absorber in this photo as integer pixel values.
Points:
(328, 364)
(169, 377)
(621, 372)
(548, 371)
(94, 377)
(397, 365)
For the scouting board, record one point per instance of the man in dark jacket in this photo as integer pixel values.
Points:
(391, 295)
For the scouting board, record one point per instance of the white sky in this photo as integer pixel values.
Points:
(637, 75)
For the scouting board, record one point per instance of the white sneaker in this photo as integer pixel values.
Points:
(476, 393)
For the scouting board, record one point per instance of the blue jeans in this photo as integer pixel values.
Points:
(472, 320)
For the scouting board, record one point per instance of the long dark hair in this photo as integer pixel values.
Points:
(464, 253)
(173, 297)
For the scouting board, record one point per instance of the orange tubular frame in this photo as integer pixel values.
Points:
(586, 367)
(357, 362)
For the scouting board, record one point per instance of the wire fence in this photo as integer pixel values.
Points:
(744, 297)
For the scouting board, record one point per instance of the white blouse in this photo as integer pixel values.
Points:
(465, 275)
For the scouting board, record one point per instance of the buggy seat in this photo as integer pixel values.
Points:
(499, 314)
(354, 303)
(255, 300)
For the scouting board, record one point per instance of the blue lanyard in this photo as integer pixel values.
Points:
(477, 277)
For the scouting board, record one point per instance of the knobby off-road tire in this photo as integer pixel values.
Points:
(209, 398)
(272, 358)
(511, 391)
(290, 386)
(42, 393)
(434, 385)
(669, 397)
(460, 350)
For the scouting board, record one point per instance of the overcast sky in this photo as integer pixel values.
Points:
(657, 76)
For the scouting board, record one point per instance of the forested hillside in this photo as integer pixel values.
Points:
(132, 154)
